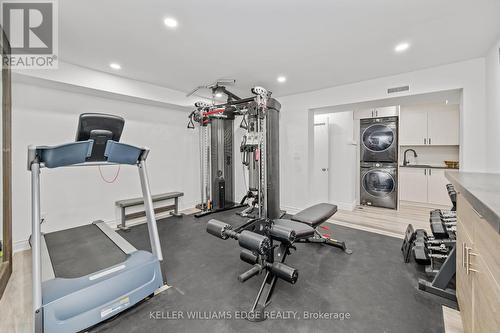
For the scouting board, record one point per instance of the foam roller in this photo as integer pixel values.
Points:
(282, 234)
(218, 229)
(254, 242)
(285, 272)
(248, 257)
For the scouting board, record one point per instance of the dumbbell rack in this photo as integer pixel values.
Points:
(431, 251)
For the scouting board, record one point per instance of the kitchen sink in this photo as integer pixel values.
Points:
(424, 166)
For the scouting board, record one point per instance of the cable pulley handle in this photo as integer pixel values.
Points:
(190, 124)
(244, 123)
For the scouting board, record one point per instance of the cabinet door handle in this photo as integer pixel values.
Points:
(430, 172)
(464, 250)
(429, 140)
(376, 113)
(468, 254)
(466, 259)
(425, 141)
(477, 213)
(425, 172)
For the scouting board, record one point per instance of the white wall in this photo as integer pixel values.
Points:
(296, 119)
(493, 106)
(75, 196)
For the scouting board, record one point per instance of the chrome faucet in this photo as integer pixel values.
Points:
(405, 161)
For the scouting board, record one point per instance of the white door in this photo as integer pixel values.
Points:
(437, 192)
(321, 157)
(443, 126)
(412, 127)
(413, 184)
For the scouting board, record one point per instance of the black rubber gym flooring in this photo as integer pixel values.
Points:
(373, 285)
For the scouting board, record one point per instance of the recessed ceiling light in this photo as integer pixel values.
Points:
(171, 22)
(281, 79)
(218, 95)
(115, 66)
(401, 47)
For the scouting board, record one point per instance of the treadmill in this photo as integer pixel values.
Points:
(85, 275)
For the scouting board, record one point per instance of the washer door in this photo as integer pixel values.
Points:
(378, 183)
(378, 137)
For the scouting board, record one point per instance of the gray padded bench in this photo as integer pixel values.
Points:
(124, 204)
(315, 215)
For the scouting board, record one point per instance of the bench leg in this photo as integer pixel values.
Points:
(257, 313)
(122, 225)
(176, 209)
(319, 238)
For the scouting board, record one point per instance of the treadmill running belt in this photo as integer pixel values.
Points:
(81, 251)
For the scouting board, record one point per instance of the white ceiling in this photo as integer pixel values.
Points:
(315, 43)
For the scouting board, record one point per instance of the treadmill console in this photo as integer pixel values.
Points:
(100, 128)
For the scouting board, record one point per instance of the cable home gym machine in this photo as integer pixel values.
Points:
(267, 239)
(85, 275)
(259, 149)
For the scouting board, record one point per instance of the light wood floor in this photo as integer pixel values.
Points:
(15, 305)
(386, 221)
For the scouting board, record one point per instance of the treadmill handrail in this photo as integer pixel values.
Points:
(75, 154)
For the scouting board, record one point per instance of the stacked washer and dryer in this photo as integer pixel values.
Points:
(379, 162)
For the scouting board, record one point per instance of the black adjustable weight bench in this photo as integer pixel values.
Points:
(314, 216)
(258, 248)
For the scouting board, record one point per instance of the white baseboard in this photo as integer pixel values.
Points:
(291, 210)
(346, 206)
(21, 245)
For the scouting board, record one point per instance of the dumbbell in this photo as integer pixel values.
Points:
(280, 270)
(421, 254)
(439, 230)
(246, 239)
(420, 236)
(448, 213)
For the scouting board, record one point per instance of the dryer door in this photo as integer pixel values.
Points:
(378, 183)
(379, 143)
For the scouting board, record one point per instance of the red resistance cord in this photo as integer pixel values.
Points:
(114, 178)
(214, 111)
